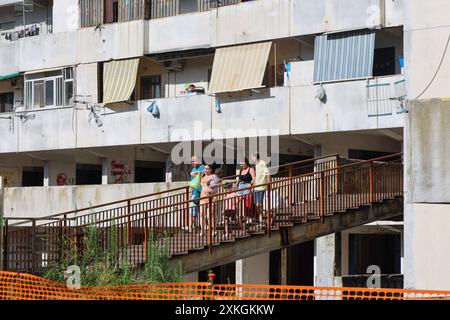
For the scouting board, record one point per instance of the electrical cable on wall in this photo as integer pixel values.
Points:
(437, 71)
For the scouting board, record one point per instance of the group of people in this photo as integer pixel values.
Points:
(251, 187)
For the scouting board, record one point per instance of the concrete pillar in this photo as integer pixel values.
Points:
(46, 174)
(253, 270)
(284, 263)
(191, 277)
(104, 171)
(324, 261)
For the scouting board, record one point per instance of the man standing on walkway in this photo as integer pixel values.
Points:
(197, 168)
(262, 178)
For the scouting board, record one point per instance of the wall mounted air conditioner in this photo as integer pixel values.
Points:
(173, 65)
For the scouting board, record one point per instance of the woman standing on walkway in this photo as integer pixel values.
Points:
(207, 191)
(247, 177)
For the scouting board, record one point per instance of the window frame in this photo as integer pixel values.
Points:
(60, 79)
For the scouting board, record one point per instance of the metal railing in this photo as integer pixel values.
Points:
(173, 218)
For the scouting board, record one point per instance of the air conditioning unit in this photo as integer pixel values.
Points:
(173, 65)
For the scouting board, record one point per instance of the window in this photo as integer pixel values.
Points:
(49, 89)
(7, 25)
(88, 174)
(188, 6)
(6, 102)
(115, 11)
(151, 87)
(68, 85)
(384, 62)
(32, 177)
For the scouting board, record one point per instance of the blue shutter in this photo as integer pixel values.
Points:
(344, 55)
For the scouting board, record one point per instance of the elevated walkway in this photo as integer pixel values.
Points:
(304, 200)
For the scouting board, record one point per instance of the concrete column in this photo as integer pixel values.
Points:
(46, 174)
(344, 253)
(324, 261)
(284, 263)
(253, 270)
(104, 171)
(191, 277)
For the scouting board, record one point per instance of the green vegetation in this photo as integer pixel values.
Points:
(111, 267)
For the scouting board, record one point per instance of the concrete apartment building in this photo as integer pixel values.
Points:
(358, 78)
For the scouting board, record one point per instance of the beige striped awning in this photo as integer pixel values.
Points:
(239, 67)
(119, 80)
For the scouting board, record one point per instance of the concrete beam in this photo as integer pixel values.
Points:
(243, 248)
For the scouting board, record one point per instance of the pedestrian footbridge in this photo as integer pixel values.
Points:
(304, 200)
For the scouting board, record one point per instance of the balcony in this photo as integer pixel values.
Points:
(87, 45)
(350, 105)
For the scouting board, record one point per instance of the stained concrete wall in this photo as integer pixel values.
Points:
(426, 248)
(348, 105)
(66, 15)
(253, 270)
(247, 22)
(39, 201)
(274, 111)
(426, 34)
(427, 194)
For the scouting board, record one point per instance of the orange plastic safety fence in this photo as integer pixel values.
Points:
(20, 286)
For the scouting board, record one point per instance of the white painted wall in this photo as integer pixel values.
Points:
(426, 253)
(426, 33)
(86, 82)
(86, 45)
(309, 17)
(346, 108)
(66, 15)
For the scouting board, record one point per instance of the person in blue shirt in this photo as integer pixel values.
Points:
(197, 168)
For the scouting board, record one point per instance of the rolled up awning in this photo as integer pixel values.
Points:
(239, 68)
(8, 76)
(119, 80)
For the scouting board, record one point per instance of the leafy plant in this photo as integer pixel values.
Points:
(110, 266)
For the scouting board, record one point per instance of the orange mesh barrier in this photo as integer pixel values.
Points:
(19, 286)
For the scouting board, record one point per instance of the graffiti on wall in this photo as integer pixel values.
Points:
(63, 180)
(121, 172)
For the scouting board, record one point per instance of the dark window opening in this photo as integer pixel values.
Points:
(366, 154)
(33, 177)
(384, 62)
(88, 174)
(115, 11)
(224, 274)
(300, 265)
(100, 82)
(149, 171)
(275, 267)
(151, 87)
(188, 6)
(383, 250)
(6, 102)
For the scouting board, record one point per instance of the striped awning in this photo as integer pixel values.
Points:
(119, 80)
(239, 67)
